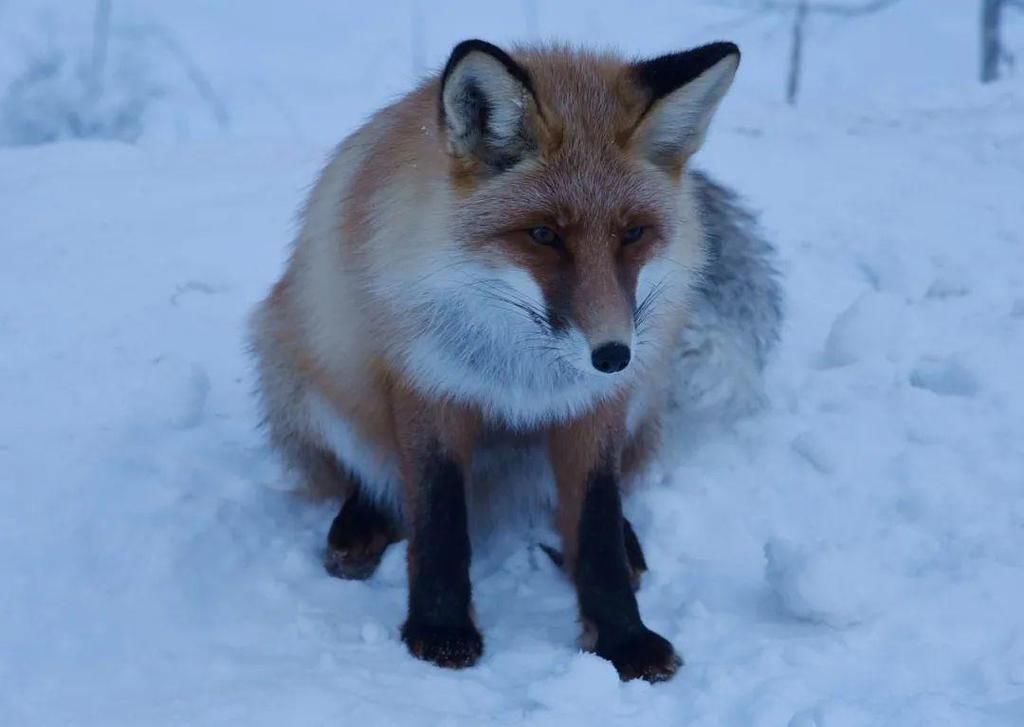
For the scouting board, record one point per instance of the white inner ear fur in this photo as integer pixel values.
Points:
(504, 95)
(676, 126)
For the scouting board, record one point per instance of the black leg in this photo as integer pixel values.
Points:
(634, 554)
(607, 601)
(440, 626)
(359, 535)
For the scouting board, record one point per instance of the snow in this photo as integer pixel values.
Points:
(851, 555)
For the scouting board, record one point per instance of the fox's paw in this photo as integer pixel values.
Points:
(358, 538)
(645, 655)
(453, 647)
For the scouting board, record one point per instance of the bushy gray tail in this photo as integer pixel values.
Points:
(737, 313)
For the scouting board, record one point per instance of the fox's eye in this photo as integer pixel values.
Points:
(545, 236)
(633, 234)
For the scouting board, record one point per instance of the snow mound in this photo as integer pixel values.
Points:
(834, 586)
(874, 325)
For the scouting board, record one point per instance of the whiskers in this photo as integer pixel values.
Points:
(642, 311)
(647, 310)
(544, 345)
(665, 297)
(504, 295)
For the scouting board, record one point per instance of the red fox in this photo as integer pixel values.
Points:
(508, 257)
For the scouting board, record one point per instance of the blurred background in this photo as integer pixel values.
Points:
(851, 555)
(143, 70)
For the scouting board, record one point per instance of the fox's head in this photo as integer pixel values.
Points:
(569, 202)
(570, 167)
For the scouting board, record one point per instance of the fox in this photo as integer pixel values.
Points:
(504, 272)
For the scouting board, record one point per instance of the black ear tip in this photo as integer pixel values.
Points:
(475, 45)
(721, 49)
(463, 49)
(664, 74)
(469, 44)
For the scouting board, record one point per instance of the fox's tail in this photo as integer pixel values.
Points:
(737, 313)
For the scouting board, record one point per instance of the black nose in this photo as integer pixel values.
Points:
(610, 358)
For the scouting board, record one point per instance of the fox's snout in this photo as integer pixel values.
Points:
(603, 311)
(610, 358)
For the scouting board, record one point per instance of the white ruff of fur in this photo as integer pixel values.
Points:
(469, 341)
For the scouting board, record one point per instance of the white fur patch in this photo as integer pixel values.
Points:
(522, 283)
(664, 283)
(377, 471)
(656, 278)
(477, 334)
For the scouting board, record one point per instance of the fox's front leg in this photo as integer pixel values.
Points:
(435, 448)
(586, 457)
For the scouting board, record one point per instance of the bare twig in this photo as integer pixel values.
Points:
(796, 53)
(801, 10)
(100, 40)
(990, 45)
(193, 71)
(871, 6)
(852, 11)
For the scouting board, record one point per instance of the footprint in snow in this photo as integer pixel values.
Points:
(874, 324)
(946, 287)
(944, 376)
(194, 286)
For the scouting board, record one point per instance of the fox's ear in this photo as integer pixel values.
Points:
(487, 101)
(682, 91)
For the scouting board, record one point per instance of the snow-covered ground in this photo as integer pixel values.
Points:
(852, 555)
